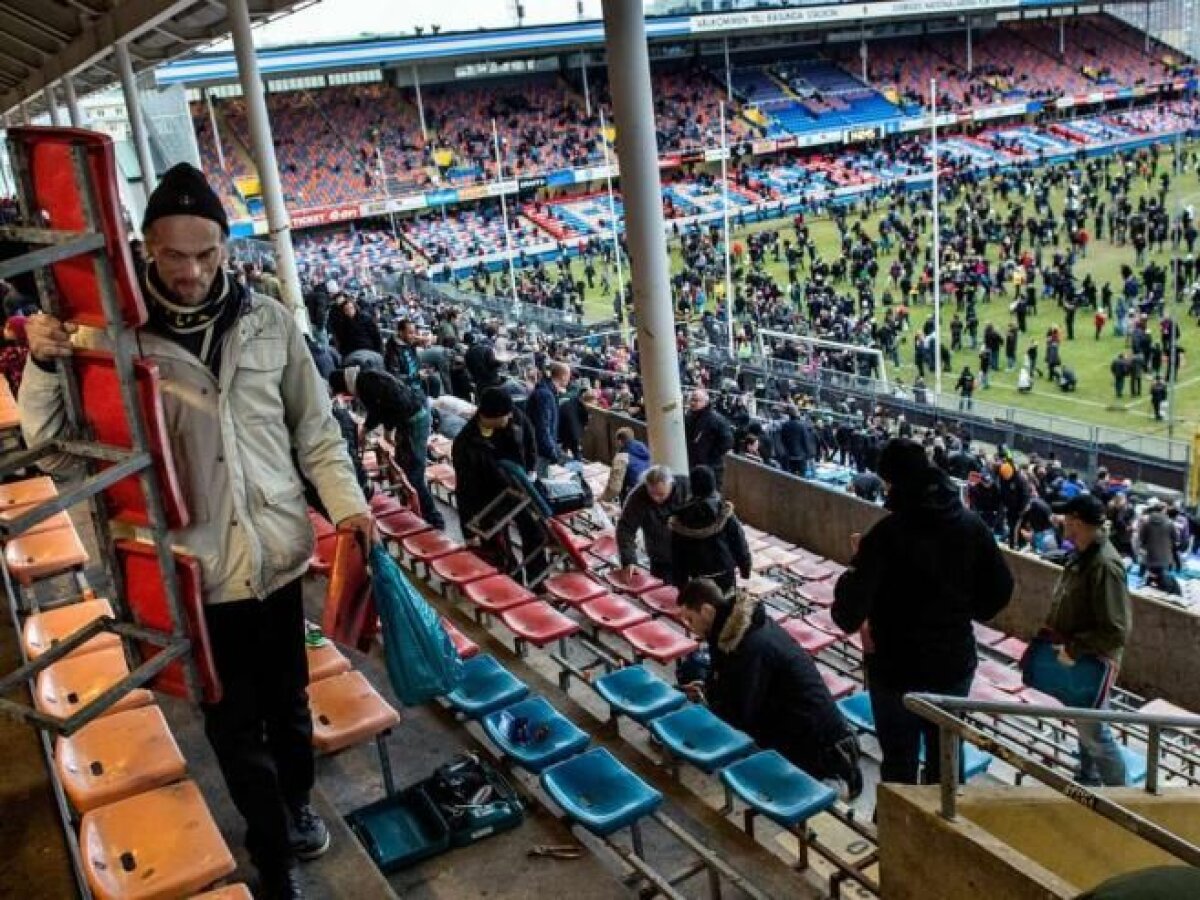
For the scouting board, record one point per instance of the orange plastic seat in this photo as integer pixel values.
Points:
(325, 661)
(41, 554)
(349, 617)
(10, 415)
(613, 613)
(573, 588)
(539, 623)
(43, 630)
(72, 683)
(18, 496)
(462, 568)
(635, 580)
(346, 711)
(230, 892)
(117, 756)
(496, 593)
(463, 645)
(163, 843)
(321, 560)
(658, 641)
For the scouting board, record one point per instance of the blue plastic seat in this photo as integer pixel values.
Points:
(638, 694)
(701, 738)
(856, 709)
(1135, 765)
(486, 686)
(771, 785)
(562, 740)
(597, 791)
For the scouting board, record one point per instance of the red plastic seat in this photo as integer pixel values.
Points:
(398, 525)
(429, 545)
(812, 639)
(43, 630)
(662, 601)
(462, 568)
(465, 647)
(147, 601)
(100, 393)
(634, 580)
(496, 593)
(613, 613)
(539, 623)
(572, 588)
(604, 548)
(163, 843)
(56, 195)
(839, 687)
(349, 617)
(658, 641)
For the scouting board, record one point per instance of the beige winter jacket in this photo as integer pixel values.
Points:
(232, 442)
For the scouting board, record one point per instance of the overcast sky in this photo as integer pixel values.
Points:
(332, 20)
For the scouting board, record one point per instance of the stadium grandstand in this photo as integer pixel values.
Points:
(645, 449)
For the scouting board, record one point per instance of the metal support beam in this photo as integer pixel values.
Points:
(416, 74)
(133, 109)
(73, 110)
(51, 105)
(263, 148)
(641, 188)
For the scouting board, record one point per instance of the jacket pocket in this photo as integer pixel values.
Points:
(283, 527)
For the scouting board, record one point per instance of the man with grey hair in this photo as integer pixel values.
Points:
(648, 509)
(709, 435)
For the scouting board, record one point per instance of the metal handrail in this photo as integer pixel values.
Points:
(952, 731)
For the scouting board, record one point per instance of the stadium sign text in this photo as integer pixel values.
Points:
(850, 12)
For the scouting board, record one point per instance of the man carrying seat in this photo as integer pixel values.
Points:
(763, 683)
(240, 393)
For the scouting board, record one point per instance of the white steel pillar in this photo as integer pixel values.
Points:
(970, 49)
(137, 125)
(263, 148)
(74, 111)
(420, 104)
(641, 188)
(51, 105)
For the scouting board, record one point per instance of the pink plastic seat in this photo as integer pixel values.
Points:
(818, 593)
(398, 525)
(658, 641)
(539, 623)
(812, 639)
(613, 613)
(999, 676)
(663, 601)
(604, 548)
(496, 593)
(822, 621)
(634, 580)
(809, 568)
(987, 635)
(465, 647)
(461, 568)
(839, 687)
(1011, 648)
(572, 588)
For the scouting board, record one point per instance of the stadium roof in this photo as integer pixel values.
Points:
(42, 41)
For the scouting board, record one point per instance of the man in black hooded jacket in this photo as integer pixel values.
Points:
(707, 540)
(764, 683)
(917, 580)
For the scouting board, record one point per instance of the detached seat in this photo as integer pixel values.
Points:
(116, 756)
(161, 843)
(321, 561)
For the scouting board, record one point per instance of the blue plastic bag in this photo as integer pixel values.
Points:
(421, 660)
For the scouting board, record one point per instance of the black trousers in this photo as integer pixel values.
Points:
(261, 730)
(902, 733)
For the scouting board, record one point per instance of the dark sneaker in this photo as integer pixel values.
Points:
(307, 834)
(283, 885)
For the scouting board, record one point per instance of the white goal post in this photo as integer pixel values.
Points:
(811, 342)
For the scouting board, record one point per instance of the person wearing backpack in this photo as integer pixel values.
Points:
(394, 405)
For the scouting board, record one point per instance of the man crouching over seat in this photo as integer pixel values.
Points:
(765, 684)
(242, 398)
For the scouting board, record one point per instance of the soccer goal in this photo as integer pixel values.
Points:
(806, 340)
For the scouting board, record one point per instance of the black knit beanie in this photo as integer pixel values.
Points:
(184, 191)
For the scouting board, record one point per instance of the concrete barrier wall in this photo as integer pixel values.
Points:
(1160, 661)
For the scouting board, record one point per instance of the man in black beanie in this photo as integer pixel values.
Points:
(242, 399)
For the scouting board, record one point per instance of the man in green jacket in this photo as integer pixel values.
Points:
(1091, 616)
